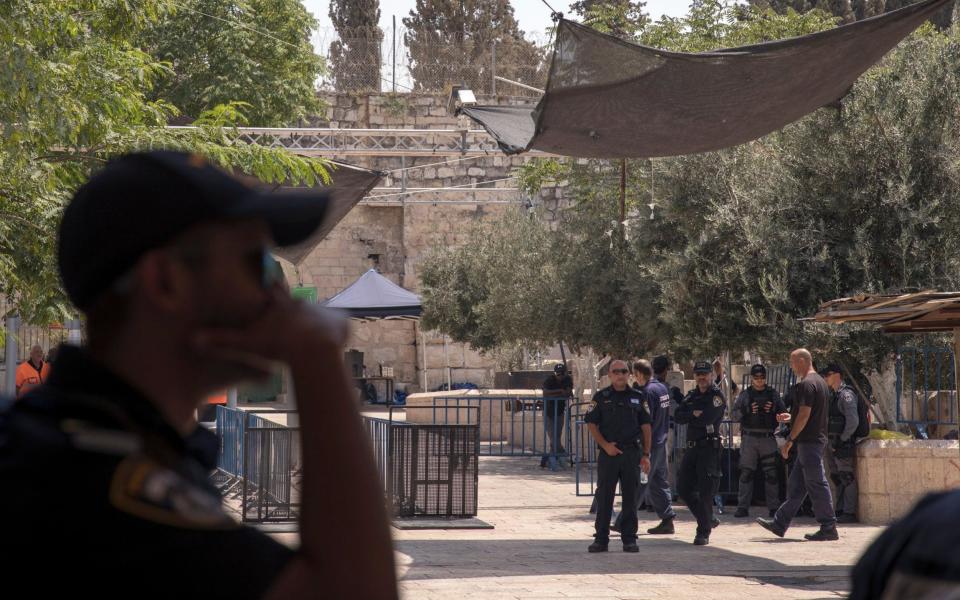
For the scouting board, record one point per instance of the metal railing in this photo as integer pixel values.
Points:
(263, 459)
(427, 469)
(512, 425)
(401, 59)
(271, 490)
(926, 388)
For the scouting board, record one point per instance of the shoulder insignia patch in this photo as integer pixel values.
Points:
(145, 489)
(717, 401)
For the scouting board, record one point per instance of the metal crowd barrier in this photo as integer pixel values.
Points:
(513, 425)
(270, 489)
(428, 469)
(263, 459)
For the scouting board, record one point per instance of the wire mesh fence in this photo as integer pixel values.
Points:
(408, 60)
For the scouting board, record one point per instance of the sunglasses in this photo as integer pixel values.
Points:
(619, 371)
(264, 267)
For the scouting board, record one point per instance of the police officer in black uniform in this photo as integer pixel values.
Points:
(756, 410)
(617, 421)
(104, 469)
(699, 478)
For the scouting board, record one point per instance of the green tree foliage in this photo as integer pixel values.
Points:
(355, 58)
(253, 51)
(621, 18)
(74, 90)
(452, 41)
(850, 10)
(742, 244)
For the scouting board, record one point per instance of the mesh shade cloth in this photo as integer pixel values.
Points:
(607, 98)
(350, 184)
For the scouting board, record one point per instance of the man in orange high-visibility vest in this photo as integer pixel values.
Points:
(32, 372)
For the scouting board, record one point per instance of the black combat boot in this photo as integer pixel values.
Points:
(826, 534)
(771, 526)
(664, 528)
(597, 547)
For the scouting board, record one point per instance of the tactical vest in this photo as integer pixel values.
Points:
(836, 421)
(761, 421)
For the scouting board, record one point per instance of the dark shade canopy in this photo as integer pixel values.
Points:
(350, 184)
(373, 296)
(607, 98)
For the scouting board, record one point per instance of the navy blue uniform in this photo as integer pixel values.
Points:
(105, 493)
(620, 416)
(699, 476)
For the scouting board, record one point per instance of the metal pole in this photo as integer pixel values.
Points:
(518, 84)
(956, 370)
(394, 51)
(423, 344)
(12, 351)
(493, 65)
(623, 191)
(446, 360)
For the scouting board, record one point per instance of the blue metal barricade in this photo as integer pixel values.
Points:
(926, 387)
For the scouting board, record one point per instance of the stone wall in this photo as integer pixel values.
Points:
(894, 474)
(395, 235)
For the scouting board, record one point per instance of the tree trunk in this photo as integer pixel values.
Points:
(883, 382)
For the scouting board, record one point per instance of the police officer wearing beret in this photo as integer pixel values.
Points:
(617, 421)
(103, 468)
(699, 478)
(756, 410)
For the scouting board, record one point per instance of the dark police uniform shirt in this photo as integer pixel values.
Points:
(814, 392)
(713, 405)
(658, 401)
(552, 383)
(102, 495)
(914, 558)
(619, 415)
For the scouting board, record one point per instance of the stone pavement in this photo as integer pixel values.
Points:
(538, 549)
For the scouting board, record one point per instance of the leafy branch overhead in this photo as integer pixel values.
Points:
(729, 250)
(75, 89)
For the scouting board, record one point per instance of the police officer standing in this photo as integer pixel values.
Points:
(756, 410)
(617, 420)
(699, 478)
(557, 389)
(842, 425)
(656, 490)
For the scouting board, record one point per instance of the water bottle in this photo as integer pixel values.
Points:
(644, 478)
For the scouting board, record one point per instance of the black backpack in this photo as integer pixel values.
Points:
(863, 417)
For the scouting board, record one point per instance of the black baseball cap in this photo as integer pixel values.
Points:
(758, 370)
(141, 201)
(830, 369)
(560, 368)
(702, 366)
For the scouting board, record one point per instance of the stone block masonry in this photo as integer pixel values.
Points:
(395, 236)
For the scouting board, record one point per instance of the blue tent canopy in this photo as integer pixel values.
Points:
(373, 296)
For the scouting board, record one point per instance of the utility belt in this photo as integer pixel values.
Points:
(757, 432)
(628, 445)
(710, 442)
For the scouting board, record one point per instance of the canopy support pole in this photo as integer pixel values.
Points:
(423, 351)
(956, 371)
(623, 193)
(446, 361)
